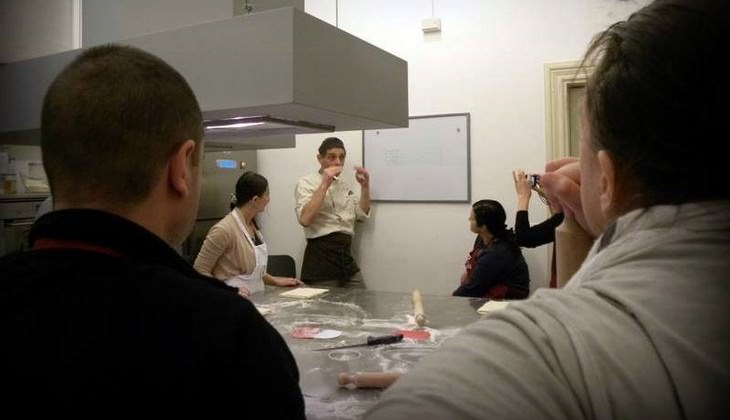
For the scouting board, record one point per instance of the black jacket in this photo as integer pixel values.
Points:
(536, 235)
(109, 316)
(500, 264)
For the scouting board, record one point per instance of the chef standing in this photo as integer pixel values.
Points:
(328, 208)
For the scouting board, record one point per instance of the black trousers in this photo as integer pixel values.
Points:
(328, 259)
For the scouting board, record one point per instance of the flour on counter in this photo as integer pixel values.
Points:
(323, 409)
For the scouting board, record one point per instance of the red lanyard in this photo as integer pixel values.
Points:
(50, 243)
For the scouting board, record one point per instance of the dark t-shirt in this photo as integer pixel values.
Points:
(108, 316)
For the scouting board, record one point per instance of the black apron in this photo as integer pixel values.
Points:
(328, 258)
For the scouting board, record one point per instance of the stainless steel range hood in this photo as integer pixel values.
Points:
(284, 67)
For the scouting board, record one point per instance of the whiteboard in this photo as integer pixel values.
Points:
(427, 161)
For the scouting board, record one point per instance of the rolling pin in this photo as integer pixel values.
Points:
(368, 379)
(418, 308)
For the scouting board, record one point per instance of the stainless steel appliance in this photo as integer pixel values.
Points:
(17, 213)
(221, 171)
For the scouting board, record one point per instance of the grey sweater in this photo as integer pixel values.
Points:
(641, 331)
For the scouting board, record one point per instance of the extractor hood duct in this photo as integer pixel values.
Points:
(282, 69)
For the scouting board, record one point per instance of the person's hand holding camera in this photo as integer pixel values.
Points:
(561, 185)
(523, 189)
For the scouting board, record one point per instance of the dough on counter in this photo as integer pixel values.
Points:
(304, 292)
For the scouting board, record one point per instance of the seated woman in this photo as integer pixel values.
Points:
(234, 250)
(495, 268)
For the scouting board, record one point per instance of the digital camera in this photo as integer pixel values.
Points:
(534, 180)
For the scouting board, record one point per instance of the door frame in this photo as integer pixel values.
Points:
(559, 79)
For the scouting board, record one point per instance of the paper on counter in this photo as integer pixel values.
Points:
(492, 306)
(304, 292)
(416, 335)
(314, 332)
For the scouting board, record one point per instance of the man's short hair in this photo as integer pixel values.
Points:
(110, 121)
(330, 143)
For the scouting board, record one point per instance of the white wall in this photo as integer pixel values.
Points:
(488, 61)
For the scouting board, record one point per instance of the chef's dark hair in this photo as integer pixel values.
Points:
(249, 184)
(330, 143)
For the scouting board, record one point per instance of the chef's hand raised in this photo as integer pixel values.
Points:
(362, 176)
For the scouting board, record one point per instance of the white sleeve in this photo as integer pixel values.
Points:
(302, 195)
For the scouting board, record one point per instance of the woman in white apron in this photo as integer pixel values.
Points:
(234, 250)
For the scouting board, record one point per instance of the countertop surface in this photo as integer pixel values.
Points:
(357, 314)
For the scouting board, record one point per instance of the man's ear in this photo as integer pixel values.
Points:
(607, 182)
(181, 169)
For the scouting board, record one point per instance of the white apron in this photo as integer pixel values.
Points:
(254, 282)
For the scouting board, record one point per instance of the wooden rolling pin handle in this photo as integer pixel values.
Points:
(368, 379)
(418, 312)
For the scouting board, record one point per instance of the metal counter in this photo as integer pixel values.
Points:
(358, 314)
